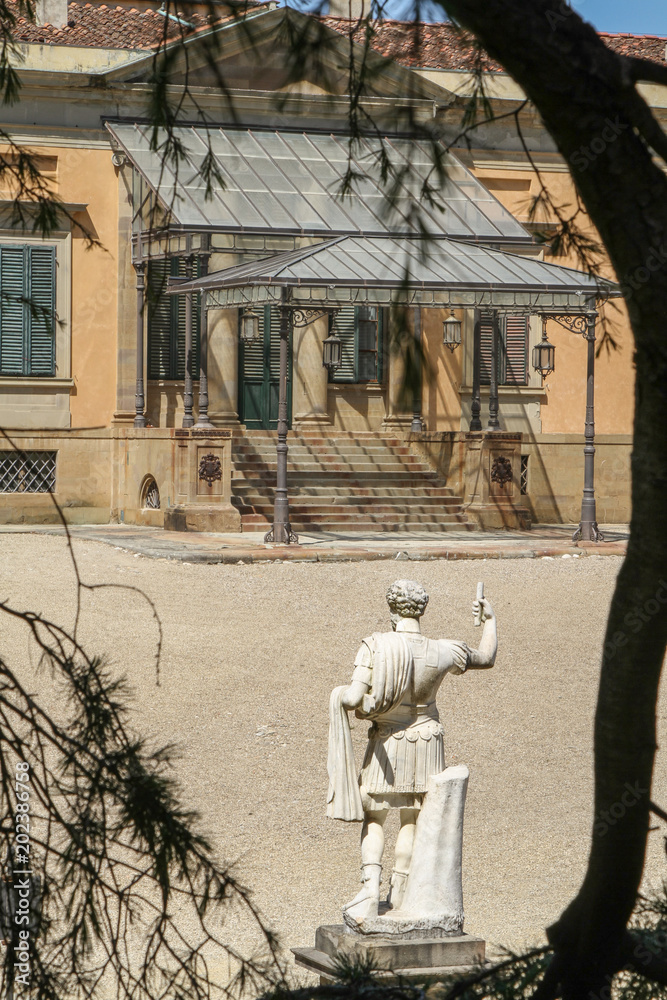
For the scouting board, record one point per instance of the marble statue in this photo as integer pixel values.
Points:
(395, 681)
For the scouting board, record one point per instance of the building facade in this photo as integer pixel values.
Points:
(69, 329)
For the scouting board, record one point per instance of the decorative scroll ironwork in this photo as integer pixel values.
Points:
(304, 317)
(501, 471)
(210, 469)
(292, 538)
(595, 532)
(574, 322)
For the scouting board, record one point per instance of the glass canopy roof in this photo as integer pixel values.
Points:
(289, 182)
(438, 272)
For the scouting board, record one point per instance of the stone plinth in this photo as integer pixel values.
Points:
(419, 959)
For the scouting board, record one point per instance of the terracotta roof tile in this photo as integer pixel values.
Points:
(441, 46)
(103, 26)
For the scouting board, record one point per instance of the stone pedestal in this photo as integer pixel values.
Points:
(202, 489)
(418, 959)
(492, 480)
(309, 404)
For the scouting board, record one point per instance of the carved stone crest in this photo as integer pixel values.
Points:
(210, 469)
(501, 471)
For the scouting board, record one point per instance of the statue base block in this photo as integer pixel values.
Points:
(419, 959)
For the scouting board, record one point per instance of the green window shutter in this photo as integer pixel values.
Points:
(27, 310)
(41, 310)
(274, 344)
(344, 327)
(12, 311)
(252, 355)
(166, 322)
(158, 307)
(178, 270)
(368, 337)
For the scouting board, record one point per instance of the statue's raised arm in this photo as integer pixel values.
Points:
(485, 655)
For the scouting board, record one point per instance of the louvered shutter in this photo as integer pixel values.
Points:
(12, 311)
(27, 310)
(274, 344)
(344, 325)
(512, 358)
(166, 322)
(486, 347)
(178, 270)
(158, 307)
(368, 332)
(252, 355)
(515, 344)
(41, 310)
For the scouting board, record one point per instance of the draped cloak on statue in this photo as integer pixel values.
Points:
(392, 677)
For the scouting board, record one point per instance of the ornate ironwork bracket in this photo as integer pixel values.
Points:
(574, 322)
(304, 317)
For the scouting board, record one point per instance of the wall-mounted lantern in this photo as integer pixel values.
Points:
(332, 352)
(249, 326)
(544, 354)
(451, 332)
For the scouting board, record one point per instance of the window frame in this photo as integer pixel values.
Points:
(379, 352)
(62, 241)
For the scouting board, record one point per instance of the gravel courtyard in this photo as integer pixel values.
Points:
(250, 656)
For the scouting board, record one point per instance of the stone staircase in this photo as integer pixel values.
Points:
(348, 482)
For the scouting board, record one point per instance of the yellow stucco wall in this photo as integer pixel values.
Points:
(88, 176)
(441, 402)
(563, 411)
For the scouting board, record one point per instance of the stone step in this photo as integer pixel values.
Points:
(241, 488)
(343, 510)
(320, 478)
(345, 502)
(352, 517)
(344, 527)
(240, 446)
(351, 468)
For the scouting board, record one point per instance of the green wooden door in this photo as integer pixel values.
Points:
(259, 369)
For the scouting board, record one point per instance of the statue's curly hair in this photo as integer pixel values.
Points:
(407, 598)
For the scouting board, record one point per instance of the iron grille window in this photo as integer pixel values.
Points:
(27, 471)
(512, 348)
(524, 475)
(27, 310)
(360, 329)
(166, 321)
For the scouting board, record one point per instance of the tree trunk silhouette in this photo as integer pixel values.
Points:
(585, 92)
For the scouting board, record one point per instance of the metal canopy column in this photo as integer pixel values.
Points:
(476, 404)
(417, 426)
(139, 399)
(281, 531)
(494, 423)
(588, 529)
(203, 418)
(188, 398)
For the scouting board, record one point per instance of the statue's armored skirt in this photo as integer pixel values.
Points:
(405, 747)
